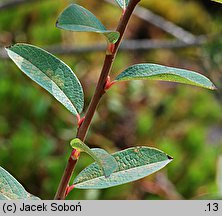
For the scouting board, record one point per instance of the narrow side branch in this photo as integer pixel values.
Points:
(126, 45)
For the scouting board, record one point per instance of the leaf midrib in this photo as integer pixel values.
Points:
(97, 29)
(197, 83)
(122, 171)
(144, 77)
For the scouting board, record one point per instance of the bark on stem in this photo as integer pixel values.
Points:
(107, 65)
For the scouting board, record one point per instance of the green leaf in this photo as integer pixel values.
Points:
(3, 197)
(122, 3)
(133, 163)
(50, 73)
(159, 72)
(79, 19)
(105, 160)
(11, 189)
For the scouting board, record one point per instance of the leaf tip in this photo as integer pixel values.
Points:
(74, 141)
(57, 23)
(169, 157)
(15, 45)
(8, 47)
(213, 87)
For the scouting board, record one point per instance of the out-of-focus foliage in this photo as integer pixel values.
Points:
(183, 121)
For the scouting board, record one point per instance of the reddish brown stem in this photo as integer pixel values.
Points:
(100, 90)
(64, 184)
(107, 65)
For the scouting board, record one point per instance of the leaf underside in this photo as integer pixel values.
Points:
(164, 73)
(11, 189)
(133, 164)
(76, 18)
(104, 159)
(50, 73)
(122, 3)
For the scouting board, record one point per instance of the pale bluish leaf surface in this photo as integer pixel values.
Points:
(133, 163)
(11, 189)
(164, 73)
(104, 159)
(50, 73)
(77, 18)
(122, 3)
(3, 197)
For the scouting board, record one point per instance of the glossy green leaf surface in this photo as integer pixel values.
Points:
(11, 189)
(133, 163)
(76, 18)
(104, 159)
(122, 3)
(50, 73)
(164, 73)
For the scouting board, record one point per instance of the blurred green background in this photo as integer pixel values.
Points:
(183, 121)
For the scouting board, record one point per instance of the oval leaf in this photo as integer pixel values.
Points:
(122, 3)
(164, 73)
(133, 163)
(11, 189)
(79, 19)
(105, 160)
(50, 73)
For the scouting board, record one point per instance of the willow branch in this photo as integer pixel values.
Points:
(82, 131)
